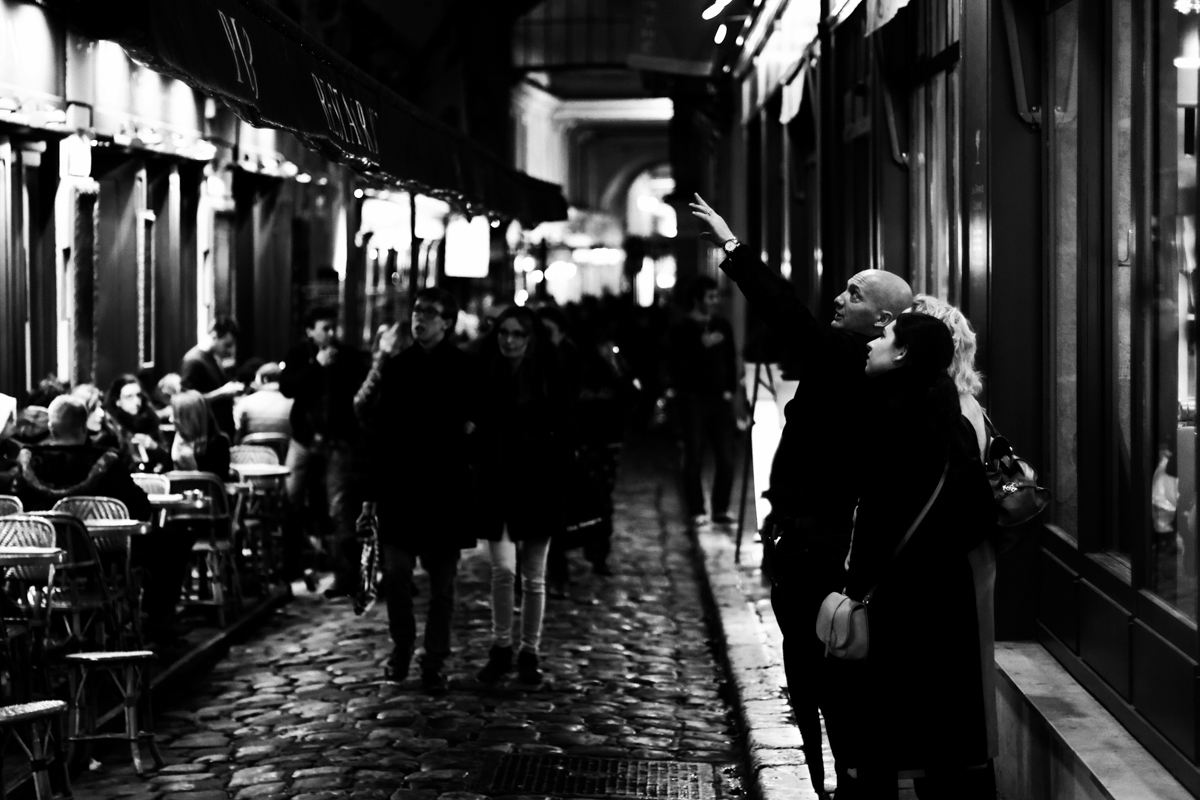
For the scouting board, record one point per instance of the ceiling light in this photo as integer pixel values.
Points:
(716, 8)
(1182, 6)
(721, 31)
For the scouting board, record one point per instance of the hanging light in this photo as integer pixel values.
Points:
(1187, 6)
(716, 8)
(721, 31)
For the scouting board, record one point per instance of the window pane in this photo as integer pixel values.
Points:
(1063, 121)
(1173, 487)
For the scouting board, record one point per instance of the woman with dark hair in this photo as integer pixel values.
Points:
(525, 447)
(134, 425)
(921, 699)
(199, 443)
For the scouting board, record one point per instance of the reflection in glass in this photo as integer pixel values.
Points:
(1173, 485)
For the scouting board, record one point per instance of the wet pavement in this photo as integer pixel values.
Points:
(301, 710)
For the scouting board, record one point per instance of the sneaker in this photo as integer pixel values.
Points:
(500, 660)
(699, 520)
(434, 683)
(527, 667)
(396, 673)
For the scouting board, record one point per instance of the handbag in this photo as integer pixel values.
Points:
(842, 621)
(367, 591)
(1014, 482)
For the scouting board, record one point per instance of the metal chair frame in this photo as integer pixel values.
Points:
(253, 454)
(11, 504)
(129, 671)
(42, 749)
(217, 551)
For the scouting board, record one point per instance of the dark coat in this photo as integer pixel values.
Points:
(48, 473)
(922, 697)
(817, 465)
(324, 395)
(124, 425)
(202, 371)
(416, 447)
(525, 447)
(700, 358)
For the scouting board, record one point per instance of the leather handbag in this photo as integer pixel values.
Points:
(842, 621)
(1014, 482)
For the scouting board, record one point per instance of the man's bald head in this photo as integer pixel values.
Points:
(872, 299)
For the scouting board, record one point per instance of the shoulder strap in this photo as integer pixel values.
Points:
(916, 523)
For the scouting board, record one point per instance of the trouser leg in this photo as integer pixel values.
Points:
(722, 435)
(397, 592)
(963, 784)
(503, 555)
(338, 475)
(692, 426)
(295, 537)
(798, 669)
(442, 569)
(533, 597)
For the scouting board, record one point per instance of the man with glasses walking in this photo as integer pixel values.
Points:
(415, 407)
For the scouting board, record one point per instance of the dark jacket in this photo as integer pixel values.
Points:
(324, 395)
(416, 448)
(124, 425)
(817, 464)
(700, 358)
(525, 447)
(48, 473)
(215, 458)
(922, 699)
(202, 371)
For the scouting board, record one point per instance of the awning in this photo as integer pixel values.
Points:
(273, 74)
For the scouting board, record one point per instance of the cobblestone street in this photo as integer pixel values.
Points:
(301, 710)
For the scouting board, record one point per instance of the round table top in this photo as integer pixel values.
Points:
(130, 526)
(29, 556)
(261, 470)
(178, 501)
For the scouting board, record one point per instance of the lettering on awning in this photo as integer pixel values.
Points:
(243, 53)
(347, 118)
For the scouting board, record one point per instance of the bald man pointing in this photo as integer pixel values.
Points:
(816, 472)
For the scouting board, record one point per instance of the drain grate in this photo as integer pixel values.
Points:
(572, 776)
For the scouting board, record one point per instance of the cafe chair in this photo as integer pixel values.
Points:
(253, 454)
(151, 483)
(92, 507)
(26, 602)
(10, 504)
(33, 726)
(82, 611)
(279, 442)
(214, 553)
(130, 673)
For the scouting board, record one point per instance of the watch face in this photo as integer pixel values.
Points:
(730, 245)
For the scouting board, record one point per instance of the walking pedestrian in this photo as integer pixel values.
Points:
(701, 378)
(920, 710)
(816, 473)
(417, 418)
(322, 375)
(525, 447)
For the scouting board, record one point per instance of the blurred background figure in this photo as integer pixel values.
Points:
(168, 386)
(265, 409)
(134, 426)
(199, 444)
(203, 369)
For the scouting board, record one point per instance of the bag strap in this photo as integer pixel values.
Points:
(912, 528)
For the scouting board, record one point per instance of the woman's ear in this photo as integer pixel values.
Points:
(901, 352)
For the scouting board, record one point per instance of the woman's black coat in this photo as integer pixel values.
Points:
(921, 699)
(525, 447)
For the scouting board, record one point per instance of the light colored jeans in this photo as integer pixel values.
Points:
(533, 584)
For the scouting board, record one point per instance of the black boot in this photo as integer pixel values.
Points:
(500, 661)
(527, 667)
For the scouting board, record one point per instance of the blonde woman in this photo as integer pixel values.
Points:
(969, 384)
(199, 444)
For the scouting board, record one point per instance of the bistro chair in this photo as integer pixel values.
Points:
(40, 744)
(26, 600)
(151, 483)
(279, 442)
(214, 554)
(83, 614)
(10, 504)
(130, 674)
(253, 454)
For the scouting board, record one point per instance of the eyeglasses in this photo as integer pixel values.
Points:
(507, 333)
(426, 311)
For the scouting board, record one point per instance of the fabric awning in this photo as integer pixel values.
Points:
(271, 73)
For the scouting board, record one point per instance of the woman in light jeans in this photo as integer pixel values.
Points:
(524, 440)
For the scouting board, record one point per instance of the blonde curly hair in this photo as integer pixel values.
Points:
(966, 378)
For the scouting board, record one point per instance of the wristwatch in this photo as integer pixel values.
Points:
(730, 245)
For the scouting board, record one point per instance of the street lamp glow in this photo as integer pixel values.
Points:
(721, 31)
(716, 8)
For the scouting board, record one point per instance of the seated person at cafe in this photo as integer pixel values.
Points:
(265, 410)
(69, 465)
(199, 444)
(134, 425)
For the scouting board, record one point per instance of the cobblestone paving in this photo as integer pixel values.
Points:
(302, 712)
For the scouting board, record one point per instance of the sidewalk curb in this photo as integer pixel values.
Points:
(773, 744)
